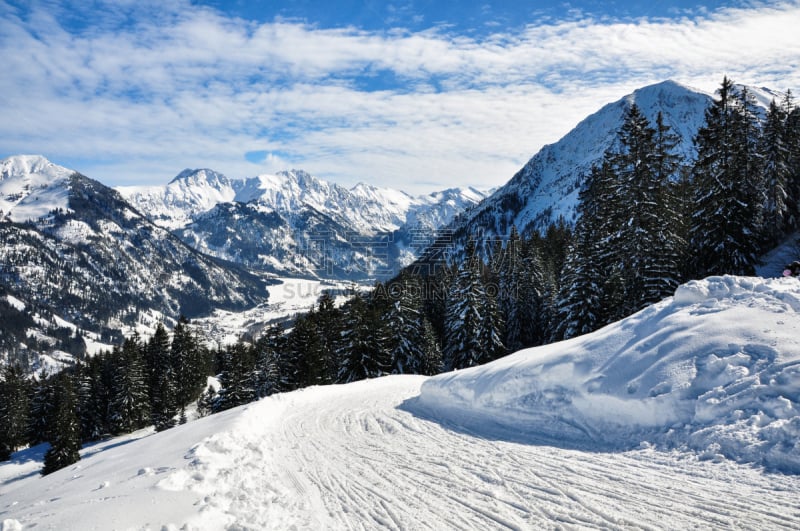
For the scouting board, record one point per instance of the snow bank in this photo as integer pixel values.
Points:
(715, 370)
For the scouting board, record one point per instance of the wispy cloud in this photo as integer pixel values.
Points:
(140, 90)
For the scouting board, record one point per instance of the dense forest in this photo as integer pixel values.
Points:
(649, 220)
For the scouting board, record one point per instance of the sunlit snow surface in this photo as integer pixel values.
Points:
(31, 187)
(639, 425)
(715, 369)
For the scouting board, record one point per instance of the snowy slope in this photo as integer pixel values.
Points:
(547, 187)
(564, 436)
(190, 193)
(359, 457)
(714, 369)
(31, 186)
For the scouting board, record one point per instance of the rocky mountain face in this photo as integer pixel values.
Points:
(293, 223)
(74, 254)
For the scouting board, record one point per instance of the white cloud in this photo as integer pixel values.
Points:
(182, 86)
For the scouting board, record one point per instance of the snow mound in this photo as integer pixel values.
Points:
(714, 370)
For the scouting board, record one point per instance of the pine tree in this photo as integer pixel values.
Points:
(521, 295)
(777, 173)
(471, 318)
(728, 190)
(266, 375)
(163, 393)
(490, 325)
(405, 319)
(432, 352)
(578, 306)
(14, 394)
(206, 402)
(236, 381)
(189, 364)
(364, 348)
(792, 131)
(130, 403)
(41, 416)
(302, 362)
(94, 382)
(650, 245)
(65, 443)
(329, 330)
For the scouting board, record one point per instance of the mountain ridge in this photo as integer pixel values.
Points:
(294, 223)
(95, 262)
(546, 188)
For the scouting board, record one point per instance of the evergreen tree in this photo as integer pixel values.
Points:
(578, 307)
(41, 417)
(792, 132)
(405, 319)
(364, 349)
(266, 375)
(490, 325)
(728, 193)
(14, 394)
(130, 403)
(206, 402)
(432, 361)
(65, 443)
(94, 381)
(471, 318)
(553, 247)
(329, 331)
(236, 381)
(652, 246)
(522, 292)
(163, 393)
(777, 173)
(189, 364)
(303, 363)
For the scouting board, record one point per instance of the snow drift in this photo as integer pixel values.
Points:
(714, 369)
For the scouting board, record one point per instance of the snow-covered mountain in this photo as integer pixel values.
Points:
(547, 187)
(670, 418)
(190, 193)
(294, 223)
(74, 254)
(32, 186)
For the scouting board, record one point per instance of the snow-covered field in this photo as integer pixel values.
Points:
(670, 419)
(287, 298)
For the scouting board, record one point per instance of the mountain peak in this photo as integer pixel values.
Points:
(31, 186)
(546, 188)
(199, 176)
(25, 165)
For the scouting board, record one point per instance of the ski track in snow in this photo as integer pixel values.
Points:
(356, 457)
(369, 455)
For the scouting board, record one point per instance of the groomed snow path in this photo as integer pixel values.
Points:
(354, 457)
(362, 456)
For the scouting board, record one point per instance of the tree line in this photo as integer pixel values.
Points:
(138, 384)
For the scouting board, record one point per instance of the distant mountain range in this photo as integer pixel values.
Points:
(74, 254)
(292, 223)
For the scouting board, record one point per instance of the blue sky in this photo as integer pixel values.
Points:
(417, 95)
